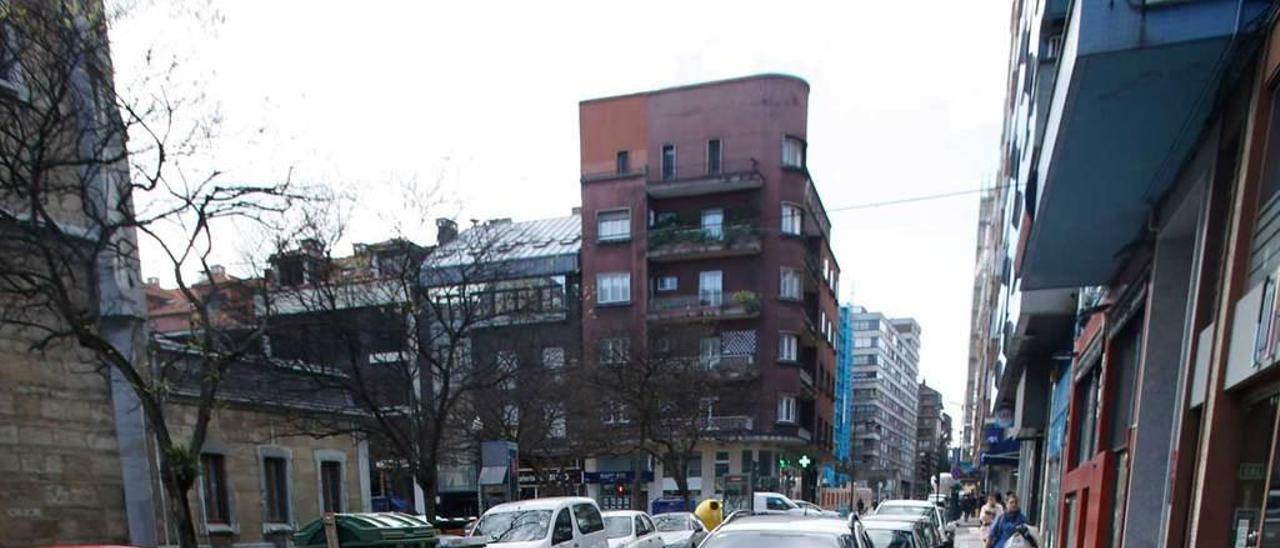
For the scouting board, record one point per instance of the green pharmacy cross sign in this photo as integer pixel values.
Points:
(804, 461)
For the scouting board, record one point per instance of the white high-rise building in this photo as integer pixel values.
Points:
(886, 366)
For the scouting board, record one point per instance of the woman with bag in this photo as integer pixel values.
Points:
(1010, 529)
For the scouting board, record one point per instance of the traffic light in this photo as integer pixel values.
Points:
(620, 489)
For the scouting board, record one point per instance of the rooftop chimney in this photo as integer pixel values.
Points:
(446, 230)
(577, 210)
(153, 282)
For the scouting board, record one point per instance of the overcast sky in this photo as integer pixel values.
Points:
(905, 101)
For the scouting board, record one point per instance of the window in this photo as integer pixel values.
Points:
(711, 288)
(589, 520)
(713, 223)
(792, 152)
(668, 283)
(624, 162)
(508, 364)
(693, 466)
(614, 225)
(217, 509)
(792, 219)
(642, 529)
(790, 285)
(713, 157)
(510, 416)
(331, 486)
(826, 269)
(275, 483)
(776, 503)
(709, 352)
(614, 413)
(563, 531)
(613, 288)
(787, 344)
(668, 162)
(614, 350)
(864, 342)
(786, 409)
(553, 357)
(556, 428)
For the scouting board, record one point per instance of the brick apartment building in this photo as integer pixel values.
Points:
(697, 205)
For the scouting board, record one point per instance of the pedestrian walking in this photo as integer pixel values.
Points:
(988, 514)
(1009, 524)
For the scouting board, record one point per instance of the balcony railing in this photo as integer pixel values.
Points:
(732, 175)
(682, 242)
(716, 306)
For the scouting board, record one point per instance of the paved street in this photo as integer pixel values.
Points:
(968, 536)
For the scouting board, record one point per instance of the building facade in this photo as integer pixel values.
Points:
(1133, 399)
(886, 362)
(933, 440)
(697, 205)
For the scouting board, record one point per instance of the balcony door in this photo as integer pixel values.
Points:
(713, 223)
(711, 288)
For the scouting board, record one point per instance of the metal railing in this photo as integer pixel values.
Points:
(708, 304)
(729, 168)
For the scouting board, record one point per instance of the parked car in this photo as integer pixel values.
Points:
(813, 509)
(680, 529)
(899, 532)
(563, 522)
(631, 529)
(764, 502)
(920, 508)
(746, 530)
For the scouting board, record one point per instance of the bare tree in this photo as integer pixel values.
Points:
(404, 324)
(672, 396)
(75, 158)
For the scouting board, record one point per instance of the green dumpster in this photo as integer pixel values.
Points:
(383, 529)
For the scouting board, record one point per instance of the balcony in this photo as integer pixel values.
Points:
(734, 175)
(1135, 85)
(731, 366)
(739, 305)
(804, 434)
(683, 243)
(730, 424)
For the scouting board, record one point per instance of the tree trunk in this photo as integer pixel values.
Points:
(679, 473)
(637, 498)
(179, 506)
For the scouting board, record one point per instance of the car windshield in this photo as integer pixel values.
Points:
(776, 539)
(518, 526)
(889, 538)
(617, 526)
(672, 522)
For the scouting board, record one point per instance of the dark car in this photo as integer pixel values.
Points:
(901, 532)
(742, 530)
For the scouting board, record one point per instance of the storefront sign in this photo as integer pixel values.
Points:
(529, 476)
(616, 477)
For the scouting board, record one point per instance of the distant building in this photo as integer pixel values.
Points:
(885, 357)
(698, 206)
(933, 438)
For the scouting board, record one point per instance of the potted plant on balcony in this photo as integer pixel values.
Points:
(747, 300)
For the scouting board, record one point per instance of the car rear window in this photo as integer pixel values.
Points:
(617, 526)
(904, 510)
(588, 517)
(888, 538)
(776, 539)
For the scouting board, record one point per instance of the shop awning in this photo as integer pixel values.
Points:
(493, 475)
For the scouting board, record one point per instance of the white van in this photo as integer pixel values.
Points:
(563, 522)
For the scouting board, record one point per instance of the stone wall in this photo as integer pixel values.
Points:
(243, 435)
(60, 478)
